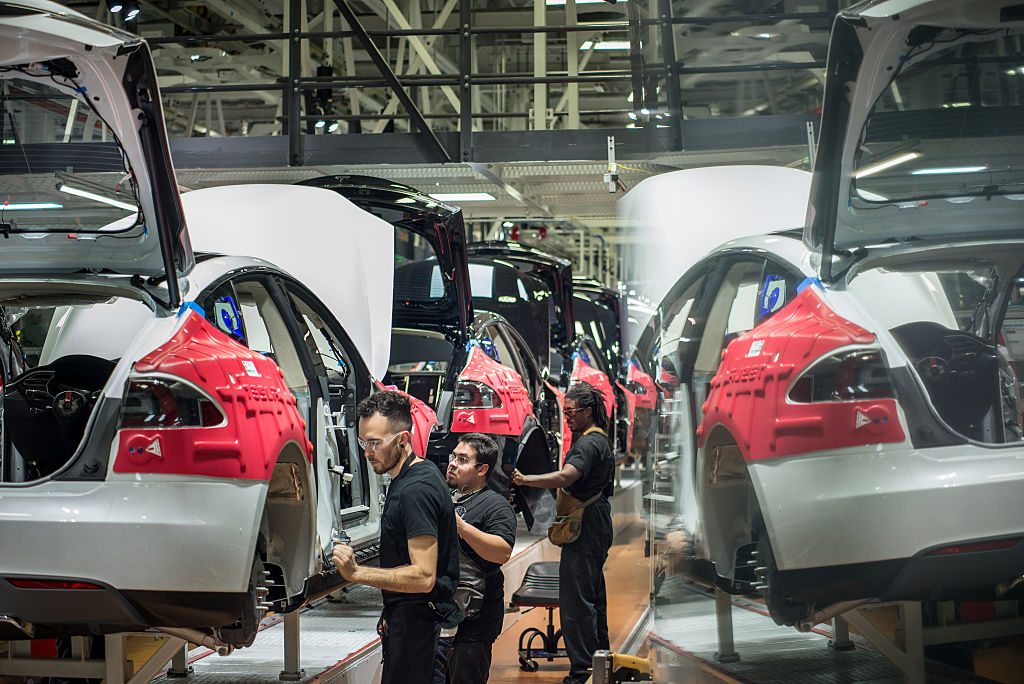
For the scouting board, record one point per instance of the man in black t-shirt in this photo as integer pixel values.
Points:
(419, 552)
(487, 529)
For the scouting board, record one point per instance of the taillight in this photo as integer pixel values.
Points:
(635, 387)
(51, 584)
(852, 375)
(974, 547)
(163, 401)
(471, 394)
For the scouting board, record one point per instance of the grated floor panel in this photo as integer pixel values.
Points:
(769, 653)
(330, 631)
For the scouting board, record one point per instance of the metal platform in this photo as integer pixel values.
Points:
(336, 636)
(700, 635)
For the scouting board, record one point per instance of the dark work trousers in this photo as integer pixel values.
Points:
(470, 662)
(409, 643)
(583, 607)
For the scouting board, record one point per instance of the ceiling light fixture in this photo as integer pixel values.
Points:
(885, 164)
(320, 123)
(114, 6)
(78, 192)
(333, 127)
(463, 196)
(131, 10)
(30, 205)
(948, 170)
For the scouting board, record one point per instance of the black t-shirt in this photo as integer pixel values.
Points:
(592, 455)
(418, 503)
(490, 512)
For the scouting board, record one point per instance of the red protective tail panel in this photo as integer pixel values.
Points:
(507, 419)
(260, 409)
(424, 419)
(748, 393)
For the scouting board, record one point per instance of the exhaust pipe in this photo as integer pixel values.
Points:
(827, 613)
(201, 638)
(26, 628)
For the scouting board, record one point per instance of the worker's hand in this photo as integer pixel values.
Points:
(517, 477)
(345, 558)
(460, 524)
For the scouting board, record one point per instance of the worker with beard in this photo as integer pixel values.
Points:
(486, 525)
(419, 551)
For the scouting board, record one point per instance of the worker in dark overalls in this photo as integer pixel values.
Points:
(586, 474)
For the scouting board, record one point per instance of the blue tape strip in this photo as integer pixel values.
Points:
(808, 282)
(193, 306)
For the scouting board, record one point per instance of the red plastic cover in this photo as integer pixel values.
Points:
(507, 419)
(423, 421)
(260, 409)
(748, 393)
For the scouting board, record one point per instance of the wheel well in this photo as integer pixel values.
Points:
(728, 502)
(289, 531)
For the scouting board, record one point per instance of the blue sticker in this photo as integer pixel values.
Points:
(488, 346)
(808, 282)
(773, 295)
(226, 316)
(185, 306)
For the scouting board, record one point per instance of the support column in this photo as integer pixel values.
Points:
(840, 635)
(540, 67)
(572, 61)
(668, 51)
(911, 631)
(180, 668)
(723, 618)
(114, 655)
(293, 119)
(291, 672)
(466, 90)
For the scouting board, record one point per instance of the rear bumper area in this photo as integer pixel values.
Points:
(868, 517)
(133, 535)
(70, 612)
(971, 575)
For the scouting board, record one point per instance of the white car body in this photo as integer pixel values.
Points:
(842, 413)
(178, 448)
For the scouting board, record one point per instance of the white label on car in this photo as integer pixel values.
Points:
(861, 420)
(154, 448)
(755, 347)
(250, 368)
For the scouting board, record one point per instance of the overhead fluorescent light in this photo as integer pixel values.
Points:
(605, 44)
(30, 205)
(98, 198)
(956, 105)
(463, 196)
(885, 164)
(951, 169)
(334, 126)
(578, 2)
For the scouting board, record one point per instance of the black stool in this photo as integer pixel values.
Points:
(539, 589)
